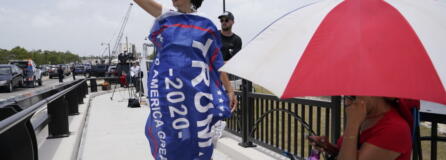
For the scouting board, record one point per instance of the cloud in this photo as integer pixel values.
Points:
(82, 25)
(70, 4)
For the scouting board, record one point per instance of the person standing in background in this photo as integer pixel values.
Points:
(134, 75)
(72, 71)
(232, 43)
(60, 73)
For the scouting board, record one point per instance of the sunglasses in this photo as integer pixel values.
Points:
(224, 20)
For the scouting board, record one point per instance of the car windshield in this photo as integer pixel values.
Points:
(21, 64)
(5, 70)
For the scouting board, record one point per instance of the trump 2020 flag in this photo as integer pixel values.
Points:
(186, 96)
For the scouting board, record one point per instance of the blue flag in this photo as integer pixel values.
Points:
(186, 95)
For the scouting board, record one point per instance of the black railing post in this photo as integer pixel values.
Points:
(434, 139)
(18, 142)
(80, 98)
(93, 85)
(85, 88)
(247, 115)
(58, 115)
(335, 118)
(73, 107)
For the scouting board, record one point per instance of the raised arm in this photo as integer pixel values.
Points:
(150, 6)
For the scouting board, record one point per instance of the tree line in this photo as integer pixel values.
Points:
(38, 56)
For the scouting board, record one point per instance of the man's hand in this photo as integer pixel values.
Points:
(233, 102)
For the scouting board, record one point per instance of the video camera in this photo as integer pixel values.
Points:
(125, 57)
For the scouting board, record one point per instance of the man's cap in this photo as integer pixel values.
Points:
(227, 15)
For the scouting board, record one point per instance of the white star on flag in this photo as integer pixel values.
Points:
(160, 38)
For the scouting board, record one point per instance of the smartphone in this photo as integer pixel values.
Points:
(317, 142)
(328, 148)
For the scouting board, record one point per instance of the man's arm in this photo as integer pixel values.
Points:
(238, 45)
(232, 98)
(151, 7)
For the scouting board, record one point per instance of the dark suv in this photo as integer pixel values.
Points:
(10, 77)
(98, 70)
(31, 74)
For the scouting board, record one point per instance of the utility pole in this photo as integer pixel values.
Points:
(109, 52)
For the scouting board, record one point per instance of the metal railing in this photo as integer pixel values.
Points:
(17, 135)
(282, 125)
(434, 138)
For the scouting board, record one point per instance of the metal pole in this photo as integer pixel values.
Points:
(109, 54)
(224, 6)
(335, 118)
(246, 114)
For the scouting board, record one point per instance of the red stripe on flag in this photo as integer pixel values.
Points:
(153, 140)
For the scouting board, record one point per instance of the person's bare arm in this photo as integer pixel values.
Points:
(356, 114)
(232, 98)
(150, 6)
(372, 152)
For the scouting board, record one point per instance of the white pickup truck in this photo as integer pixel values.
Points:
(31, 74)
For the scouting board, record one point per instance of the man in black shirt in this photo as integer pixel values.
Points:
(232, 43)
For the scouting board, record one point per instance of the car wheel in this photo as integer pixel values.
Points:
(10, 87)
(33, 83)
(21, 83)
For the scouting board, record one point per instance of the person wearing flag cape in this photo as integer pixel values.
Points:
(187, 94)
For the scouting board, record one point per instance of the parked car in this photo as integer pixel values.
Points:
(98, 70)
(52, 72)
(10, 76)
(79, 69)
(66, 69)
(31, 74)
(87, 67)
(112, 71)
(44, 69)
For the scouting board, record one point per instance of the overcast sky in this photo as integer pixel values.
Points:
(80, 26)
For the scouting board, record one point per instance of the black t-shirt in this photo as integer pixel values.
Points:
(231, 45)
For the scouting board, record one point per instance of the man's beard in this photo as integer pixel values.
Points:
(227, 28)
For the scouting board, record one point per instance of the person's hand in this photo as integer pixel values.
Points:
(232, 101)
(356, 113)
(321, 144)
(318, 142)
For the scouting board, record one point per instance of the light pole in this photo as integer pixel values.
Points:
(224, 6)
(109, 56)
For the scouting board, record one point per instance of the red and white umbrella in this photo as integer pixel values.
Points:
(392, 48)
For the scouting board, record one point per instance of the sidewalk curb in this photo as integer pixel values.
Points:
(78, 151)
(228, 145)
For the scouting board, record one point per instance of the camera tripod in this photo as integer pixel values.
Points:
(133, 95)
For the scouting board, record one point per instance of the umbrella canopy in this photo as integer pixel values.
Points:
(392, 48)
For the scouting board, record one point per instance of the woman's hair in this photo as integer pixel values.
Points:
(196, 3)
(394, 102)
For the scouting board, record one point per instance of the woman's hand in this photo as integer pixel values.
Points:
(232, 101)
(321, 144)
(356, 113)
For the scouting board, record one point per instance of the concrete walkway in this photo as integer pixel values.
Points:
(109, 130)
(114, 131)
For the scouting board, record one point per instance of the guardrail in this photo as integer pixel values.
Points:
(17, 136)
